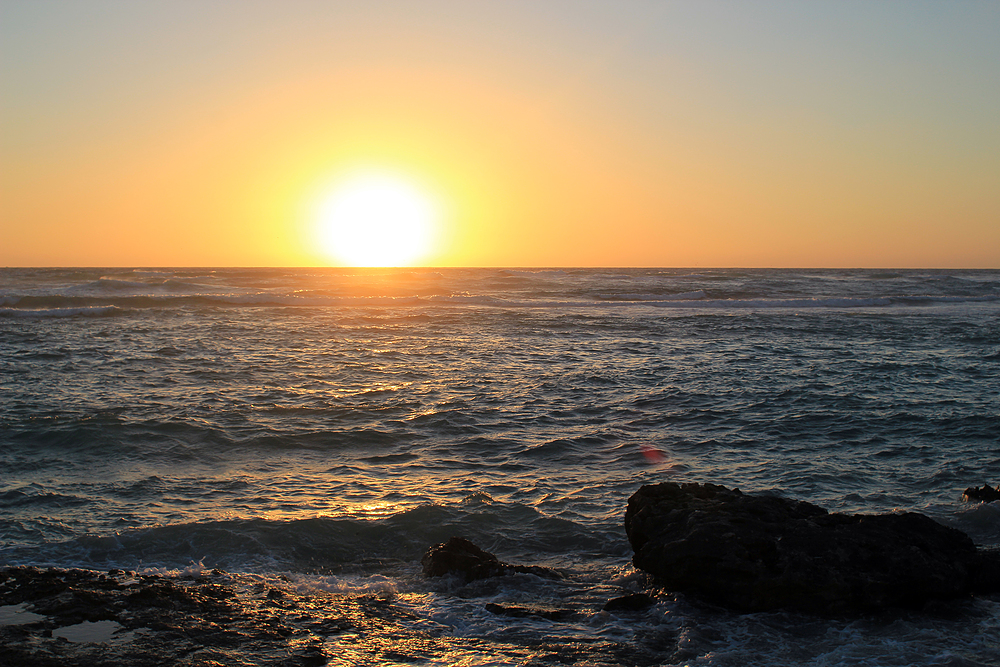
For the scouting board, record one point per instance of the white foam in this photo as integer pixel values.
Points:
(193, 569)
(357, 585)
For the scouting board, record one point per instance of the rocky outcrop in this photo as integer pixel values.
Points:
(82, 618)
(461, 557)
(759, 552)
(987, 494)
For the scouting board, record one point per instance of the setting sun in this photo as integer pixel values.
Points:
(690, 310)
(376, 219)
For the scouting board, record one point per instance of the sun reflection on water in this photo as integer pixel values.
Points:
(374, 510)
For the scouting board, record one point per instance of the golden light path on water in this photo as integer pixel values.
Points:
(310, 433)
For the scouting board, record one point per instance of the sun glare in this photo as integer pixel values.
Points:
(376, 220)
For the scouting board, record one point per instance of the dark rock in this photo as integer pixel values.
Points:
(986, 577)
(987, 494)
(757, 552)
(528, 612)
(460, 556)
(186, 622)
(172, 615)
(632, 602)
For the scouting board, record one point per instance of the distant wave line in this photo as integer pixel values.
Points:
(69, 306)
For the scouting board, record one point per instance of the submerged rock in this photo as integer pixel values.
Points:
(460, 556)
(630, 602)
(987, 494)
(550, 613)
(757, 552)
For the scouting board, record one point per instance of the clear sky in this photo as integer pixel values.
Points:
(545, 132)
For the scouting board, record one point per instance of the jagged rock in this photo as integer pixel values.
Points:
(460, 556)
(758, 552)
(631, 602)
(987, 494)
(551, 614)
(125, 618)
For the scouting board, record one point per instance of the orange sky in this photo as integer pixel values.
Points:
(554, 134)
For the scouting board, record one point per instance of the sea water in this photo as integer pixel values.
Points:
(328, 425)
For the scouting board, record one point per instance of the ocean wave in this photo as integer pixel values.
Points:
(532, 272)
(150, 272)
(308, 544)
(175, 285)
(84, 311)
(472, 299)
(683, 296)
(194, 289)
(837, 302)
(33, 495)
(170, 283)
(40, 303)
(63, 305)
(109, 284)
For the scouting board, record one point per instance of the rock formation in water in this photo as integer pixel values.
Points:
(460, 556)
(758, 552)
(987, 494)
(517, 611)
(629, 602)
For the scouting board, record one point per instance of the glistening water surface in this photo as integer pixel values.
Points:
(340, 421)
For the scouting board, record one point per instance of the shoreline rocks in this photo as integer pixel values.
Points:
(755, 553)
(460, 556)
(85, 618)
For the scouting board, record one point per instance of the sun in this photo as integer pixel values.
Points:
(376, 219)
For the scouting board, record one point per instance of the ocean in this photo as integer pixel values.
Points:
(324, 427)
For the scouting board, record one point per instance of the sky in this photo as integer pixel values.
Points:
(844, 133)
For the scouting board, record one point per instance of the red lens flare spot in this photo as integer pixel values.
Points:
(652, 454)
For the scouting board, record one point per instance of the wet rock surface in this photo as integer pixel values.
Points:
(756, 553)
(986, 494)
(218, 618)
(518, 611)
(461, 557)
(157, 620)
(52, 616)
